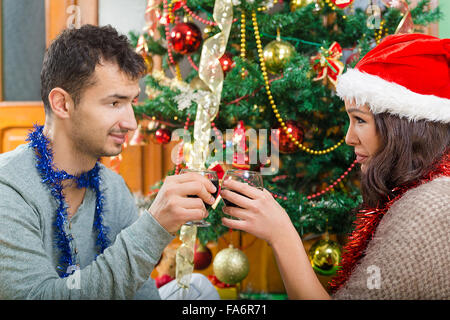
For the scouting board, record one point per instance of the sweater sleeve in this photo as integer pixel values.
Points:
(27, 271)
(408, 257)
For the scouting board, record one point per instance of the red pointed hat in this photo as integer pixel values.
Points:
(406, 74)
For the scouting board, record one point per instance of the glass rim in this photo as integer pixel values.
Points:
(241, 170)
(198, 170)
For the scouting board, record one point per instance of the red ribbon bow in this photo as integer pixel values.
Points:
(327, 64)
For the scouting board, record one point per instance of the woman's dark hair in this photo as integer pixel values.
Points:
(70, 61)
(410, 149)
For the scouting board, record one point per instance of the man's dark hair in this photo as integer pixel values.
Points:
(70, 61)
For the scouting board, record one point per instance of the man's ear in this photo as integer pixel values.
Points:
(61, 103)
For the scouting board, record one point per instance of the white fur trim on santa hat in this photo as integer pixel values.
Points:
(384, 96)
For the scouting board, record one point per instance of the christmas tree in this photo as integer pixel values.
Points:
(280, 67)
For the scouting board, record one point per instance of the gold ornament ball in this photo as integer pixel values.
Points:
(207, 31)
(231, 265)
(148, 62)
(277, 54)
(297, 4)
(325, 256)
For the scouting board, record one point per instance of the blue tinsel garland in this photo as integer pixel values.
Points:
(53, 178)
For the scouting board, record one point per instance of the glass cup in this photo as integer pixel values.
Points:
(212, 176)
(251, 178)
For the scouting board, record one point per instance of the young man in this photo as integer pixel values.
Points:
(69, 227)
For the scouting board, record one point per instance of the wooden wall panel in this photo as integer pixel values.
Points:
(1, 52)
(17, 118)
(152, 165)
(89, 11)
(56, 17)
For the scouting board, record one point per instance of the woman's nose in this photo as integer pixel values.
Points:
(351, 138)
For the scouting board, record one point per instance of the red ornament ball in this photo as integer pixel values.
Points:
(202, 257)
(227, 63)
(162, 136)
(185, 38)
(286, 145)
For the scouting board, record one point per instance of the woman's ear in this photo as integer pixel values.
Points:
(61, 103)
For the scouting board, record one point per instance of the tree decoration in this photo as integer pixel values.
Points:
(231, 265)
(152, 16)
(162, 136)
(142, 49)
(202, 257)
(240, 147)
(298, 4)
(185, 38)
(406, 25)
(327, 64)
(277, 54)
(198, 84)
(325, 256)
(227, 63)
(342, 3)
(285, 143)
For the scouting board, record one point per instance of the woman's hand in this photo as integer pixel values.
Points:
(263, 217)
(259, 213)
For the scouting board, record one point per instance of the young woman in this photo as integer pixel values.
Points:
(398, 102)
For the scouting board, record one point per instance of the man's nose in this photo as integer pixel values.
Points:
(129, 121)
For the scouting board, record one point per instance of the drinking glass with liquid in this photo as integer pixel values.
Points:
(211, 176)
(251, 178)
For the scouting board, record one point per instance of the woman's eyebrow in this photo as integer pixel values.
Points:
(350, 110)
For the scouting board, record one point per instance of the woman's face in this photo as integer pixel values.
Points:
(362, 133)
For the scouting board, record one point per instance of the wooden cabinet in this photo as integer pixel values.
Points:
(16, 119)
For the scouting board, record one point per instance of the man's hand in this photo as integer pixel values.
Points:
(172, 207)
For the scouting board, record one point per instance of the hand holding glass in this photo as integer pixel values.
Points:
(212, 176)
(251, 178)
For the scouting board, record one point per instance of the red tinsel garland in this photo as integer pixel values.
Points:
(368, 219)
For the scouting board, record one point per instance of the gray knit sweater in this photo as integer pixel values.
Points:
(28, 256)
(409, 256)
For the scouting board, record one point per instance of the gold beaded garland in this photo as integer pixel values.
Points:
(243, 44)
(379, 33)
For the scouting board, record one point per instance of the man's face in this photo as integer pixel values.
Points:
(104, 114)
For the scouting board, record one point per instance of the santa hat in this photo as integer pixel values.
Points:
(406, 74)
